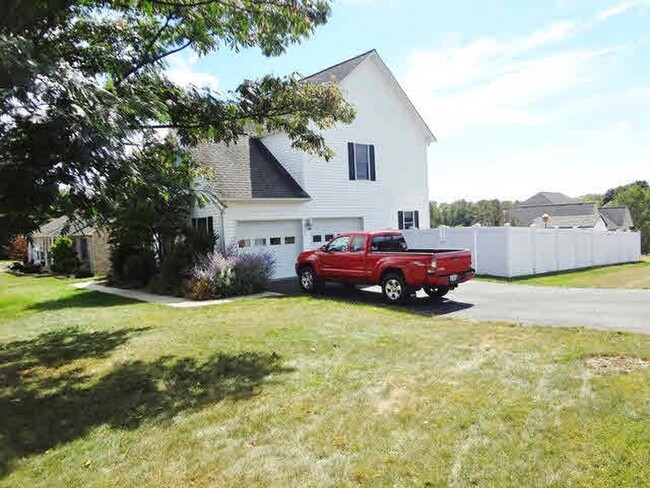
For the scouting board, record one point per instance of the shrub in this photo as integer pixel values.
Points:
(83, 271)
(27, 268)
(217, 275)
(132, 266)
(63, 255)
(17, 248)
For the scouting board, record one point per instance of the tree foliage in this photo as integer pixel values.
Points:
(83, 84)
(462, 213)
(63, 255)
(636, 196)
(16, 248)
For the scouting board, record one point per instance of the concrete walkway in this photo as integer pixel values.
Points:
(170, 301)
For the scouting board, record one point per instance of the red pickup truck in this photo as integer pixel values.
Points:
(382, 258)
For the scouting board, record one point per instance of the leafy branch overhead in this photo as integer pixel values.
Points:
(83, 81)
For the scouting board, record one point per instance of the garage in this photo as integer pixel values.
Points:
(282, 237)
(324, 230)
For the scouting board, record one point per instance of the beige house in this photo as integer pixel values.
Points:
(91, 244)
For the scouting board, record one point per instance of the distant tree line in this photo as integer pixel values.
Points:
(462, 213)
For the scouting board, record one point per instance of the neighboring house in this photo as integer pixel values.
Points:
(566, 213)
(90, 243)
(285, 200)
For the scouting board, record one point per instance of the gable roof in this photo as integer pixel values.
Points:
(339, 71)
(579, 213)
(547, 197)
(617, 217)
(248, 170)
(63, 225)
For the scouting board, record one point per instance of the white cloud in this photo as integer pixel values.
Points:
(182, 72)
(613, 11)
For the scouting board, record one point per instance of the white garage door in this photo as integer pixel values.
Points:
(282, 237)
(323, 230)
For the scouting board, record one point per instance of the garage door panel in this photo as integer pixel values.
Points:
(324, 230)
(282, 237)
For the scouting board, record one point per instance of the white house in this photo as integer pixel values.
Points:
(288, 201)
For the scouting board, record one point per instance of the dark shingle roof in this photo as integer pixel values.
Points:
(617, 217)
(247, 170)
(547, 197)
(339, 71)
(577, 214)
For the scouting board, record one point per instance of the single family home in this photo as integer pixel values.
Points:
(285, 200)
(556, 210)
(91, 244)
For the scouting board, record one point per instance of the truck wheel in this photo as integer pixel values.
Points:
(438, 292)
(393, 288)
(308, 280)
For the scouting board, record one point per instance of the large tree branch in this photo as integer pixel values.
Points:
(146, 60)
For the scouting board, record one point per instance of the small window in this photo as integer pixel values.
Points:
(357, 244)
(244, 243)
(388, 243)
(340, 244)
(329, 237)
(275, 241)
(205, 224)
(317, 238)
(290, 240)
(260, 241)
(408, 219)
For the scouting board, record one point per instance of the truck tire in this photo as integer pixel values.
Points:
(393, 288)
(438, 292)
(308, 280)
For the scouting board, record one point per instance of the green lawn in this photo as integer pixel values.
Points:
(631, 275)
(96, 390)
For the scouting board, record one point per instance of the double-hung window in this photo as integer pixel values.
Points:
(408, 219)
(205, 224)
(361, 161)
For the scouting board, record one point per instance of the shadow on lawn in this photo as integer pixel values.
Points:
(46, 400)
(82, 299)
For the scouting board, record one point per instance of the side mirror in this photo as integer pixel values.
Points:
(323, 248)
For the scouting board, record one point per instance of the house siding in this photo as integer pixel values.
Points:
(385, 120)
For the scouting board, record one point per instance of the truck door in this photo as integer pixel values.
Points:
(334, 258)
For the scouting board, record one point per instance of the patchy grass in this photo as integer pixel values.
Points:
(97, 390)
(630, 275)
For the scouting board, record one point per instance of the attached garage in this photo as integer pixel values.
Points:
(282, 237)
(323, 230)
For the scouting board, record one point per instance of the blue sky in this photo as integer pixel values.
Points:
(523, 96)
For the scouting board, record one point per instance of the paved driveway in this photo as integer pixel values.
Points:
(625, 310)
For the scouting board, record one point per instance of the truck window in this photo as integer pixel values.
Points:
(340, 244)
(357, 243)
(388, 243)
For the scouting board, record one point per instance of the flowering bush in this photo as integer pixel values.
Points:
(17, 248)
(235, 272)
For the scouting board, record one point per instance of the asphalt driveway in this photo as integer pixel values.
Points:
(624, 310)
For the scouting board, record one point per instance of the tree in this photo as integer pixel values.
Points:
(636, 197)
(83, 87)
(462, 213)
(17, 248)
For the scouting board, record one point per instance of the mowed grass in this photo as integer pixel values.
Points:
(630, 275)
(99, 391)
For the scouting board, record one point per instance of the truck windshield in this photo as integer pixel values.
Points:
(388, 242)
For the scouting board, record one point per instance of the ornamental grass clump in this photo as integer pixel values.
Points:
(236, 272)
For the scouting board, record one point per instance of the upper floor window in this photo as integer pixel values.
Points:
(361, 161)
(408, 219)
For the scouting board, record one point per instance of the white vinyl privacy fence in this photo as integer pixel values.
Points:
(521, 251)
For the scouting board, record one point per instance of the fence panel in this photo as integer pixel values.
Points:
(520, 251)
